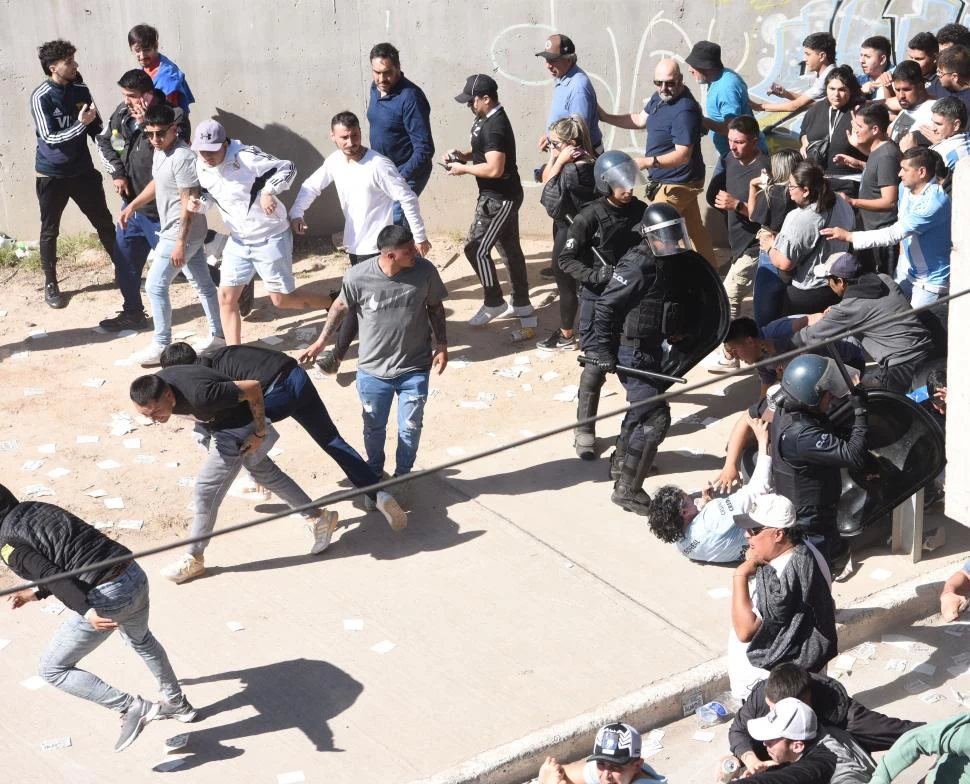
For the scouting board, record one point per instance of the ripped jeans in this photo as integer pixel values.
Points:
(376, 395)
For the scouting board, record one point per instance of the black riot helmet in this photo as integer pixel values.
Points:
(664, 229)
(616, 169)
(808, 377)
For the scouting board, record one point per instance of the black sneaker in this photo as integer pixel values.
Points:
(548, 273)
(181, 711)
(124, 321)
(53, 296)
(557, 340)
(139, 713)
(328, 362)
(246, 298)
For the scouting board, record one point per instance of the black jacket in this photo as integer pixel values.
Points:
(834, 707)
(39, 540)
(609, 229)
(631, 305)
(815, 766)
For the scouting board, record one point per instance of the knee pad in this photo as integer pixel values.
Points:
(655, 424)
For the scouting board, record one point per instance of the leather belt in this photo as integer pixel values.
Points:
(115, 573)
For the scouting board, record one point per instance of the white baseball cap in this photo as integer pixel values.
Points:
(790, 719)
(768, 511)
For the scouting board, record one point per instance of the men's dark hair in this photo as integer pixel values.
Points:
(874, 115)
(821, 42)
(908, 71)
(787, 680)
(953, 33)
(741, 328)
(924, 42)
(881, 44)
(159, 114)
(952, 108)
(346, 119)
(393, 237)
(935, 379)
(746, 124)
(53, 52)
(179, 353)
(957, 59)
(386, 51)
(146, 389)
(665, 516)
(136, 79)
(144, 35)
(925, 158)
(795, 534)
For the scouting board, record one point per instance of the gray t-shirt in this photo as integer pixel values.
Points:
(800, 241)
(171, 171)
(395, 333)
(881, 169)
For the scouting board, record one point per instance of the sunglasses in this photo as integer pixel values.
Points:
(158, 134)
(753, 532)
(666, 82)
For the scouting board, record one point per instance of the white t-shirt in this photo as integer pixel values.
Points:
(817, 90)
(367, 190)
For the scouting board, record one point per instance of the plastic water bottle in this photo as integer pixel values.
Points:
(718, 710)
(117, 141)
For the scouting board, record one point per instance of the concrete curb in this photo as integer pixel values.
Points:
(660, 703)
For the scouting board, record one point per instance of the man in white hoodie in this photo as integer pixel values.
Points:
(243, 182)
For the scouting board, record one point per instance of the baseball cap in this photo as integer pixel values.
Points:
(476, 86)
(839, 265)
(557, 46)
(209, 136)
(768, 511)
(616, 744)
(791, 719)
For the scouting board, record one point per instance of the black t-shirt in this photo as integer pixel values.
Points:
(771, 207)
(882, 169)
(737, 179)
(210, 397)
(494, 134)
(249, 363)
(816, 127)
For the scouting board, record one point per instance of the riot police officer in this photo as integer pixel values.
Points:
(633, 304)
(807, 454)
(600, 234)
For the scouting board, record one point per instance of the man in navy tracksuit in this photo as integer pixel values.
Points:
(64, 115)
(130, 169)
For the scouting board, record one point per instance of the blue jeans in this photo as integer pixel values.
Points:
(769, 292)
(376, 396)
(125, 601)
(160, 277)
(417, 181)
(132, 245)
(296, 396)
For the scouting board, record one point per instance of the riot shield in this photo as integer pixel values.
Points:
(906, 450)
(695, 291)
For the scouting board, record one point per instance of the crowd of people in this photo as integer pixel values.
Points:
(848, 232)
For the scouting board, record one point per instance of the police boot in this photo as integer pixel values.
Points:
(628, 492)
(584, 436)
(618, 456)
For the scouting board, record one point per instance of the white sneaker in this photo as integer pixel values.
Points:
(208, 346)
(719, 362)
(370, 505)
(150, 356)
(321, 529)
(185, 568)
(392, 511)
(486, 313)
(523, 311)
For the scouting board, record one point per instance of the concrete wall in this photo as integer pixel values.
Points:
(274, 72)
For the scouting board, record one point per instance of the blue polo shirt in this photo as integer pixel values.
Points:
(727, 96)
(400, 127)
(574, 94)
(676, 123)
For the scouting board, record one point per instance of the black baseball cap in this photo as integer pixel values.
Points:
(616, 744)
(476, 86)
(557, 46)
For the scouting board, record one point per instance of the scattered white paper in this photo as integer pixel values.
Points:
(94, 383)
(896, 665)
(52, 608)
(511, 372)
(689, 452)
(144, 459)
(898, 640)
(173, 464)
(34, 392)
(526, 433)
(4, 644)
(880, 574)
(123, 363)
(568, 564)
(99, 524)
(55, 744)
(962, 658)
(186, 481)
(32, 465)
(486, 397)
(131, 525)
(864, 651)
(271, 340)
(384, 646)
(274, 452)
(478, 404)
(177, 742)
(704, 736)
(234, 626)
(57, 473)
(167, 766)
(915, 687)
(522, 360)
(527, 387)
(132, 443)
(87, 439)
(543, 356)
(353, 625)
(121, 427)
(38, 333)
(844, 662)
(719, 593)
(549, 375)
(567, 394)
(925, 668)
(108, 465)
(8, 446)
(931, 696)
(36, 491)
(20, 356)
(114, 503)
(34, 683)
(455, 451)
(293, 777)
(47, 449)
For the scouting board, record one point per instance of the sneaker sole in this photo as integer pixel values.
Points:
(398, 520)
(185, 718)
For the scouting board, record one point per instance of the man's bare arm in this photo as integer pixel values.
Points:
(335, 316)
(251, 392)
(436, 315)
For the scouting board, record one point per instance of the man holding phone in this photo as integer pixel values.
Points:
(127, 156)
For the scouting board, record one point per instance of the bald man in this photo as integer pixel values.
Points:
(672, 160)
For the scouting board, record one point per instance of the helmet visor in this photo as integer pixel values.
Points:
(832, 381)
(667, 238)
(624, 176)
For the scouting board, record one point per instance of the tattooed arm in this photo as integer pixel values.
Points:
(252, 393)
(335, 317)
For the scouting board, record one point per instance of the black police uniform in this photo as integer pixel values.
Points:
(633, 304)
(807, 462)
(612, 231)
